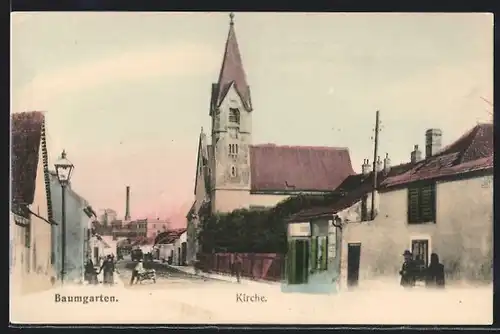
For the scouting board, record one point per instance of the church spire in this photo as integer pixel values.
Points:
(232, 71)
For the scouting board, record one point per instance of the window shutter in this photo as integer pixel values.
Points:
(314, 255)
(291, 262)
(427, 202)
(324, 250)
(413, 205)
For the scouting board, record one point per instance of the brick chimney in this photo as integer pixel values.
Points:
(387, 164)
(432, 142)
(127, 203)
(365, 167)
(416, 155)
(379, 165)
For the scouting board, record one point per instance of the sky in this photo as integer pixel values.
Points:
(126, 94)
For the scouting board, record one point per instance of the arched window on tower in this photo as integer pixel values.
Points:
(233, 150)
(233, 171)
(234, 116)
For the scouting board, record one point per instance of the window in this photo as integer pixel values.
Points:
(233, 171)
(319, 253)
(233, 150)
(422, 204)
(234, 115)
(420, 251)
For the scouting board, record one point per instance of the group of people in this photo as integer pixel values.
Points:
(107, 267)
(410, 272)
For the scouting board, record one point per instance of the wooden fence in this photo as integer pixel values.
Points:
(260, 266)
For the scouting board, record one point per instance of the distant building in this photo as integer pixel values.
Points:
(107, 216)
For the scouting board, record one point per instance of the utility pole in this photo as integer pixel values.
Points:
(375, 152)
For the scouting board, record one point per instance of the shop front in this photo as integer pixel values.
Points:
(313, 257)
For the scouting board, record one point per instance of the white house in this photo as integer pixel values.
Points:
(31, 207)
(180, 249)
(78, 221)
(442, 204)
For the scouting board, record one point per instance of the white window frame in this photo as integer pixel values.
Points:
(427, 237)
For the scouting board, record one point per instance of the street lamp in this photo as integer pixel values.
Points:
(64, 168)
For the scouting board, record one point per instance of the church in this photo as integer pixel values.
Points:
(232, 172)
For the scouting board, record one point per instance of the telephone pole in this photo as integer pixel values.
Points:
(375, 152)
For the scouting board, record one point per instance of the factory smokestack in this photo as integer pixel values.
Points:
(127, 204)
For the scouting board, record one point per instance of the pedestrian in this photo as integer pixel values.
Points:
(90, 273)
(139, 269)
(435, 273)
(237, 265)
(109, 268)
(408, 270)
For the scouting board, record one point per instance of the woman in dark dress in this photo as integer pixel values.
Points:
(435, 273)
(109, 268)
(90, 272)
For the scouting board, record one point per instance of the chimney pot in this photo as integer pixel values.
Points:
(387, 163)
(378, 165)
(365, 168)
(416, 155)
(432, 142)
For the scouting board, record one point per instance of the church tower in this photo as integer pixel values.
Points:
(231, 113)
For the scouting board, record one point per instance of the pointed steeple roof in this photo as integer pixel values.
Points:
(232, 72)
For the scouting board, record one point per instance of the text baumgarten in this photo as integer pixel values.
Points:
(255, 298)
(58, 298)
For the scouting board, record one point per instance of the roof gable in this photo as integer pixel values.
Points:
(202, 162)
(26, 131)
(298, 168)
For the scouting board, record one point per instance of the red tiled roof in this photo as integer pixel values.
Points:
(298, 168)
(26, 139)
(169, 237)
(351, 190)
(141, 241)
(471, 152)
(232, 72)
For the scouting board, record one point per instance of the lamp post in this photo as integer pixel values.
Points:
(64, 168)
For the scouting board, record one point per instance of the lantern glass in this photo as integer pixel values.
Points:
(64, 168)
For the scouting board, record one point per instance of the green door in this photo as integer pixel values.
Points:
(298, 261)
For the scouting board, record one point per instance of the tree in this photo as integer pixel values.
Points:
(253, 231)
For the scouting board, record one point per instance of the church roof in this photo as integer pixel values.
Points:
(298, 168)
(231, 72)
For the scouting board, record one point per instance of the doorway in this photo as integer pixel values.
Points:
(298, 261)
(353, 260)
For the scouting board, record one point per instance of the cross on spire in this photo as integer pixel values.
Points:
(231, 18)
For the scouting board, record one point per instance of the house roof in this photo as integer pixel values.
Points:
(141, 241)
(471, 152)
(231, 72)
(26, 139)
(169, 237)
(298, 168)
(350, 191)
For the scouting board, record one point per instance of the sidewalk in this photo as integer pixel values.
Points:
(222, 277)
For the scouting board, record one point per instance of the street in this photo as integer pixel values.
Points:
(166, 276)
